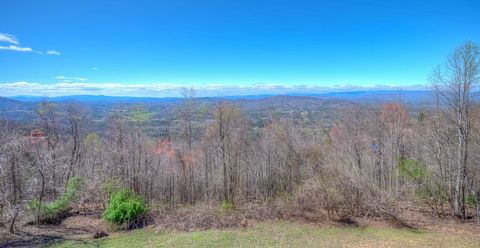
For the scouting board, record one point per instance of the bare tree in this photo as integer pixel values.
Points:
(455, 82)
(50, 127)
(76, 122)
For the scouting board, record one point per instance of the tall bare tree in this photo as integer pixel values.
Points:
(455, 81)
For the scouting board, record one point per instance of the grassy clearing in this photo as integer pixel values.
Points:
(282, 234)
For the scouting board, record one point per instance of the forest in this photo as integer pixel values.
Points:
(367, 160)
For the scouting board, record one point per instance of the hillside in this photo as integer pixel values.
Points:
(318, 106)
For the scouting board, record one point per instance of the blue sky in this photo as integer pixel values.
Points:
(156, 47)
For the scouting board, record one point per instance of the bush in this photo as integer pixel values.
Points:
(471, 200)
(412, 169)
(227, 206)
(124, 206)
(109, 187)
(427, 188)
(338, 193)
(53, 212)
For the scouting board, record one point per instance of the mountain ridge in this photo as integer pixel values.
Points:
(357, 95)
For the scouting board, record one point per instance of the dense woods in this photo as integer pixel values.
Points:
(369, 159)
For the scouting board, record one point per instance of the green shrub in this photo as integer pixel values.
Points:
(109, 187)
(427, 188)
(471, 200)
(227, 206)
(412, 169)
(52, 212)
(124, 206)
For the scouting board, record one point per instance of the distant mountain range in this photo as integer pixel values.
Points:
(323, 106)
(408, 96)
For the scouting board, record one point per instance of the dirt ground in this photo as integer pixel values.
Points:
(76, 227)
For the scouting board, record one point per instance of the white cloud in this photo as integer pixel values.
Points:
(94, 68)
(70, 79)
(8, 38)
(16, 48)
(53, 52)
(71, 86)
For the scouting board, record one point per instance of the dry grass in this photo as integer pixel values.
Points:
(284, 234)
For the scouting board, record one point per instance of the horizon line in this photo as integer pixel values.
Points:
(158, 90)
